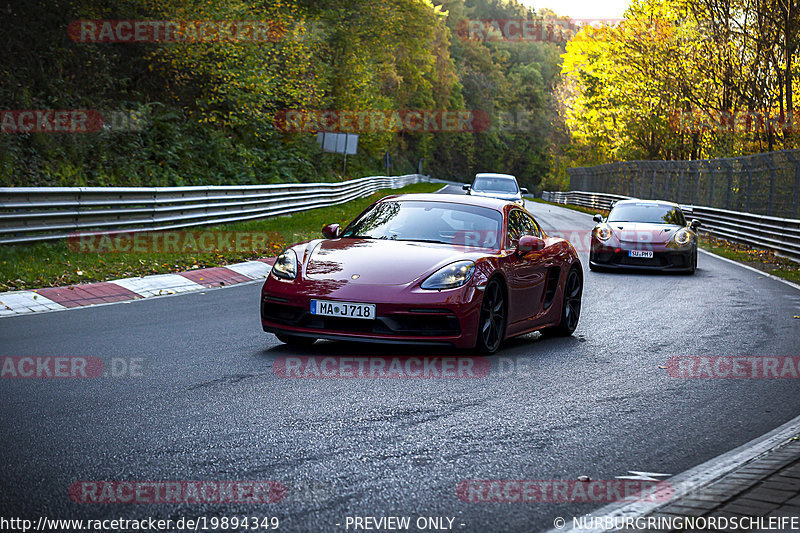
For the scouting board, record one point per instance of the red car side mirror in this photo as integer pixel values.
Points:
(331, 231)
(529, 243)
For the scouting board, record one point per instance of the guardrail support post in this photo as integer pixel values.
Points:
(641, 184)
(796, 187)
(653, 188)
(749, 170)
(771, 190)
(711, 186)
(796, 190)
(730, 187)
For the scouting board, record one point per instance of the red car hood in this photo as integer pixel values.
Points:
(378, 262)
(643, 232)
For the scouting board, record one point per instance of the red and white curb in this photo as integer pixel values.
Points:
(120, 290)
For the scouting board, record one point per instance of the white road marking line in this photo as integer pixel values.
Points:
(643, 476)
(251, 269)
(699, 476)
(15, 303)
(159, 285)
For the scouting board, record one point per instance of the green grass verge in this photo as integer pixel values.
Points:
(55, 264)
(763, 260)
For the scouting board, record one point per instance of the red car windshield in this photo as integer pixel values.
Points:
(438, 222)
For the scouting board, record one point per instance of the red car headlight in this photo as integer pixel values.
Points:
(286, 265)
(450, 276)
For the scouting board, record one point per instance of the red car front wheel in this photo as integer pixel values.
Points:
(492, 323)
(571, 306)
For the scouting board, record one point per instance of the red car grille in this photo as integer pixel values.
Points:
(434, 324)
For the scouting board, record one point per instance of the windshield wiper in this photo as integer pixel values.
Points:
(423, 240)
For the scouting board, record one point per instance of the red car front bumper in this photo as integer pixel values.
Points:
(404, 314)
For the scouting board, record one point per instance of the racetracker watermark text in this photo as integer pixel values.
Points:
(70, 121)
(177, 242)
(557, 30)
(76, 367)
(562, 491)
(370, 121)
(737, 367)
(338, 367)
(177, 492)
(175, 31)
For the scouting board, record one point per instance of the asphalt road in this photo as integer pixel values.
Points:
(209, 407)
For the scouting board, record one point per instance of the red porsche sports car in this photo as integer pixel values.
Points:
(426, 269)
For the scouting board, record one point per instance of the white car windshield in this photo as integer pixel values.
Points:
(504, 185)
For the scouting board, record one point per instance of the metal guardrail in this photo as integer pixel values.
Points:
(781, 235)
(591, 200)
(30, 214)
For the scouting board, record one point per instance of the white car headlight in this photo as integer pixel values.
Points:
(450, 276)
(603, 233)
(286, 265)
(682, 237)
